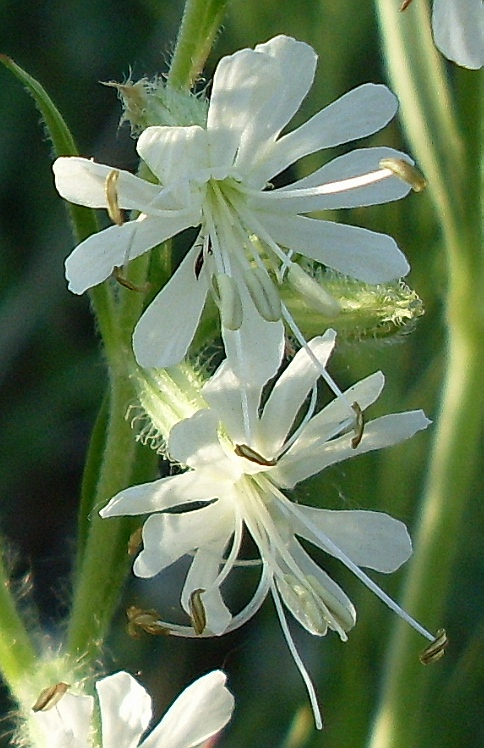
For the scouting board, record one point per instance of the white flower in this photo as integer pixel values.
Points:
(200, 712)
(458, 27)
(240, 460)
(219, 178)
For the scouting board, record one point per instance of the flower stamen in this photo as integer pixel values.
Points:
(242, 450)
(359, 425)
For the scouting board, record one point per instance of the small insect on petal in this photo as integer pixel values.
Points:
(111, 190)
(242, 450)
(198, 615)
(49, 697)
(359, 425)
(144, 620)
(436, 649)
(406, 172)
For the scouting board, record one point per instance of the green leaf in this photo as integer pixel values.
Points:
(84, 220)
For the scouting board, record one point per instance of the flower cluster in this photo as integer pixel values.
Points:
(249, 437)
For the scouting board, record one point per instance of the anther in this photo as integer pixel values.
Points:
(227, 297)
(135, 542)
(242, 450)
(436, 649)
(312, 292)
(406, 172)
(49, 697)
(144, 620)
(198, 615)
(264, 294)
(111, 189)
(405, 5)
(119, 277)
(359, 425)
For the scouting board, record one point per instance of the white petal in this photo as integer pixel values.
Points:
(255, 350)
(201, 711)
(241, 84)
(175, 154)
(195, 442)
(125, 710)
(371, 539)
(69, 724)
(354, 164)
(382, 432)
(335, 609)
(458, 27)
(163, 334)
(161, 494)
(168, 537)
(357, 114)
(296, 63)
(94, 259)
(360, 253)
(202, 574)
(83, 181)
(222, 393)
(290, 391)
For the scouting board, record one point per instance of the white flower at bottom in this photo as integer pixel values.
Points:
(239, 459)
(458, 27)
(200, 712)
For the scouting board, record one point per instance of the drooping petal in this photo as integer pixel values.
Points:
(168, 537)
(371, 539)
(202, 575)
(290, 391)
(175, 154)
(83, 182)
(382, 432)
(296, 62)
(94, 259)
(458, 27)
(125, 710)
(200, 711)
(357, 114)
(318, 603)
(163, 334)
(354, 164)
(255, 350)
(161, 494)
(352, 250)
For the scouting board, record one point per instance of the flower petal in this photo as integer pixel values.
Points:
(222, 393)
(194, 442)
(202, 575)
(94, 259)
(160, 495)
(371, 539)
(357, 114)
(163, 334)
(125, 710)
(310, 459)
(175, 154)
(290, 391)
(168, 537)
(296, 63)
(458, 27)
(354, 164)
(360, 253)
(200, 711)
(83, 182)
(255, 350)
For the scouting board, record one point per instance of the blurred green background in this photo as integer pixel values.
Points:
(52, 379)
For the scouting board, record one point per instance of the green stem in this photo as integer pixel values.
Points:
(200, 23)
(17, 655)
(407, 690)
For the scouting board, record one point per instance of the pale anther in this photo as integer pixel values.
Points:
(50, 696)
(264, 294)
(406, 172)
(312, 292)
(111, 188)
(227, 298)
(242, 450)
